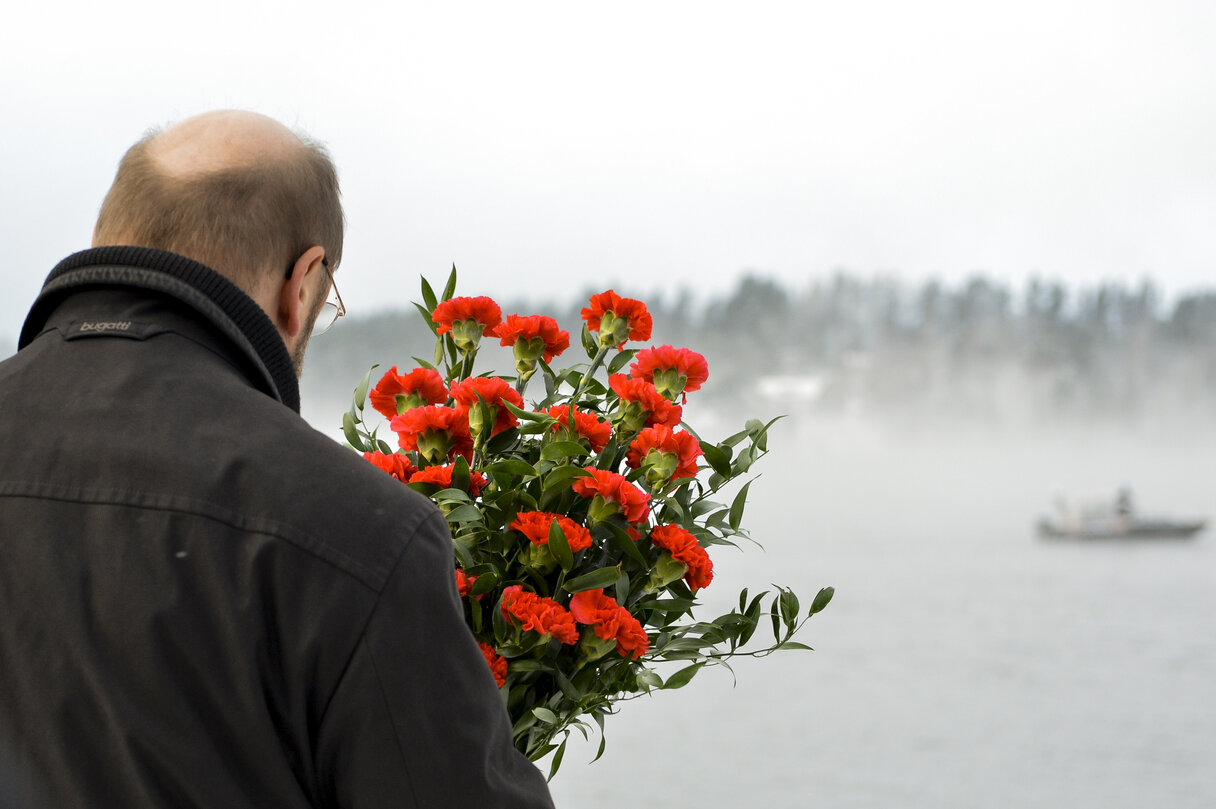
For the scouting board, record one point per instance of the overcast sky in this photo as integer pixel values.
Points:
(552, 147)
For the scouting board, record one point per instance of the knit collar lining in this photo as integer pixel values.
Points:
(220, 301)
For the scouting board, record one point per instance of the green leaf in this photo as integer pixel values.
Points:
(428, 296)
(465, 513)
(623, 543)
(545, 715)
(351, 431)
(464, 554)
(621, 360)
(821, 600)
(590, 344)
(562, 449)
(526, 721)
(793, 644)
(560, 546)
(526, 415)
(789, 608)
(760, 438)
(449, 288)
(460, 473)
(718, 460)
(649, 679)
(512, 466)
(567, 687)
(596, 579)
(682, 677)
(438, 351)
(736, 506)
(424, 364)
(734, 439)
(475, 618)
(484, 584)
(599, 720)
(563, 475)
(361, 390)
(622, 588)
(557, 759)
(426, 318)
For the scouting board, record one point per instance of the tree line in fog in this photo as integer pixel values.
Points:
(844, 344)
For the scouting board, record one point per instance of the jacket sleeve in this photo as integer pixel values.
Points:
(417, 720)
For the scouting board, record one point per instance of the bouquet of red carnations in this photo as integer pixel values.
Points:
(581, 522)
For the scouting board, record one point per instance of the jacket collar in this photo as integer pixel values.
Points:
(221, 303)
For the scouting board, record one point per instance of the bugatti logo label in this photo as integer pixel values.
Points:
(108, 325)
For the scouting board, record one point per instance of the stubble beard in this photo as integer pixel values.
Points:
(297, 351)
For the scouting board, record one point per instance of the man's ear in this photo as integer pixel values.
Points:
(296, 295)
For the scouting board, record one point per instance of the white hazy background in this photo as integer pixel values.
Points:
(654, 144)
(547, 148)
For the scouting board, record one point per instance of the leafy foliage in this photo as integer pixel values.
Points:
(541, 463)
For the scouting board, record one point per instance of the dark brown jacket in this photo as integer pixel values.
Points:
(203, 601)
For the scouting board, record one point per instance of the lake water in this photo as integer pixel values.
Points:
(964, 662)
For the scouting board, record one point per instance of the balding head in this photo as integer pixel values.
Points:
(232, 189)
(223, 139)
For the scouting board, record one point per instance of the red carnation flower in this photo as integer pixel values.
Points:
(539, 614)
(673, 371)
(617, 319)
(437, 433)
(617, 493)
(441, 476)
(675, 454)
(493, 391)
(396, 393)
(586, 425)
(535, 526)
(464, 583)
(395, 464)
(683, 547)
(642, 405)
(544, 338)
(610, 621)
(498, 665)
(468, 319)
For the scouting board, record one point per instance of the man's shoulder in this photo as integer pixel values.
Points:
(322, 495)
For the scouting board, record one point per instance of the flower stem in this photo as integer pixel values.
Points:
(582, 384)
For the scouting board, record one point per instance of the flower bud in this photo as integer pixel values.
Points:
(613, 330)
(658, 467)
(408, 401)
(481, 423)
(665, 571)
(670, 383)
(593, 647)
(467, 334)
(527, 354)
(433, 446)
(540, 558)
(629, 418)
(600, 510)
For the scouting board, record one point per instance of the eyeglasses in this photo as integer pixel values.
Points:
(330, 311)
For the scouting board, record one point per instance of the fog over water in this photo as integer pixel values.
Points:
(964, 661)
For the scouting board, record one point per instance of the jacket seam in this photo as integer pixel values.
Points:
(359, 639)
(202, 508)
(362, 639)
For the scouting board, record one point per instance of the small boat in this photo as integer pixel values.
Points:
(1116, 520)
